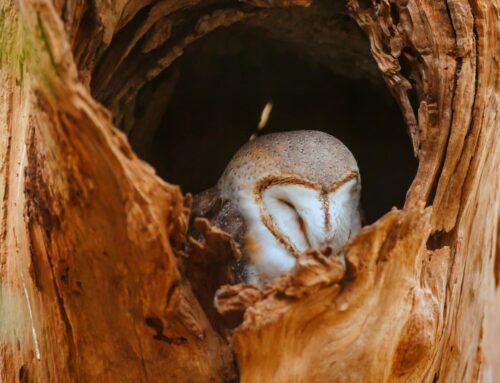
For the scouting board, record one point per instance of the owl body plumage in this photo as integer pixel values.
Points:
(291, 191)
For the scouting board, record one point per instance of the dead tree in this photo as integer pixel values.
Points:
(92, 287)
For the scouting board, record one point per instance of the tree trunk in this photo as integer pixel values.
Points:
(93, 286)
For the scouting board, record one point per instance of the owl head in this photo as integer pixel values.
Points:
(285, 193)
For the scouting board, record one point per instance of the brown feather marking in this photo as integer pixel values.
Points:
(265, 182)
(270, 225)
(300, 221)
(337, 184)
(325, 204)
(260, 187)
(268, 181)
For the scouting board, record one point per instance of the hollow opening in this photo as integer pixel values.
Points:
(313, 65)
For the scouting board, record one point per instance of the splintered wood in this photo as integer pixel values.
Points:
(102, 281)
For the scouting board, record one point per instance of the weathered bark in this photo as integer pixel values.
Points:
(92, 241)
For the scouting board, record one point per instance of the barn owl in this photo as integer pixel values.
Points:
(283, 194)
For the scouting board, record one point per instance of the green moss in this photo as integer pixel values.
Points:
(25, 46)
(45, 41)
(4, 38)
(12, 55)
(2, 33)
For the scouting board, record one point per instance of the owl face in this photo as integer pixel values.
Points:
(295, 191)
(303, 215)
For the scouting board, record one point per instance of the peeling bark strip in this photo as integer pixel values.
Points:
(90, 286)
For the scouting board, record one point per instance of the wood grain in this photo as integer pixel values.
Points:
(92, 279)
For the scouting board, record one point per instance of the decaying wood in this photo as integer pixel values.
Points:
(214, 255)
(373, 305)
(93, 280)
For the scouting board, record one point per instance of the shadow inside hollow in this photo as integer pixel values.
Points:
(223, 83)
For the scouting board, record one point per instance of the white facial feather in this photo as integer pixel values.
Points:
(297, 213)
(345, 218)
(269, 259)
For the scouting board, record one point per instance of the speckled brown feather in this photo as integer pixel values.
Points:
(311, 155)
